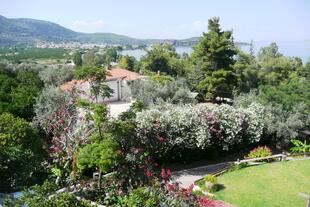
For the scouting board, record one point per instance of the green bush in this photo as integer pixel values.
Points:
(157, 91)
(39, 196)
(210, 182)
(19, 87)
(20, 152)
(259, 152)
(104, 155)
(286, 110)
(17, 168)
(16, 132)
(139, 197)
(300, 147)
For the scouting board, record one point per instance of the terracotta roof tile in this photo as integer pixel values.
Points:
(68, 86)
(113, 74)
(122, 73)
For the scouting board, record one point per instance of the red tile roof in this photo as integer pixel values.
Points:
(113, 74)
(122, 73)
(68, 86)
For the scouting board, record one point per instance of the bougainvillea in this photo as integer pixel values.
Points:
(164, 128)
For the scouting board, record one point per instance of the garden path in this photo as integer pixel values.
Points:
(189, 176)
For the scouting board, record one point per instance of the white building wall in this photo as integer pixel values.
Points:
(120, 87)
(115, 85)
(126, 92)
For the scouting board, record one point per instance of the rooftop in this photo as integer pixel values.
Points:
(113, 74)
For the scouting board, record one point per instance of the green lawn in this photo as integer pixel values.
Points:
(268, 185)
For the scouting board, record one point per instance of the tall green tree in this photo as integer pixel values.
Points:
(77, 58)
(162, 58)
(127, 62)
(214, 55)
(304, 71)
(20, 152)
(274, 67)
(246, 70)
(91, 59)
(110, 56)
(18, 91)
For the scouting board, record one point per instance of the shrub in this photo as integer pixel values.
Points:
(38, 196)
(140, 197)
(18, 90)
(259, 152)
(51, 99)
(198, 127)
(16, 132)
(17, 168)
(156, 91)
(56, 75)
(104, 155)
(287, 108)
(282, 124)
(300, 147)
(210, 183)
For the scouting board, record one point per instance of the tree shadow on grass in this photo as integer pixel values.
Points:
(219, 187)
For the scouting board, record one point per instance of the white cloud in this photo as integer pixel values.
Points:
(88, 26)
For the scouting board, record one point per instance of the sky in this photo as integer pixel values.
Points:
(258, 20)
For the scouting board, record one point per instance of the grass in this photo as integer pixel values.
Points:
(20, 54)
(269, 185)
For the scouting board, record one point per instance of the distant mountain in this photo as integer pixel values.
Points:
(28, 31)
(23, 31)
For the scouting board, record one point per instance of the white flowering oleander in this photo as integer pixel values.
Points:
(199, 126)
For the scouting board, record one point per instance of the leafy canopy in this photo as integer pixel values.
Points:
(214, 57)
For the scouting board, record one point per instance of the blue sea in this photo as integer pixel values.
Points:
(293, 49)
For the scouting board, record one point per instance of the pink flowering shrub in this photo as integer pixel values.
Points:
(66, 139)
(198, 127)
(258, 152)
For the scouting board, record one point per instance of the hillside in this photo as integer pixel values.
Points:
(28, 31)
(23, 31)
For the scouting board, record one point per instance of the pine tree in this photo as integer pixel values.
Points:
(214, 56)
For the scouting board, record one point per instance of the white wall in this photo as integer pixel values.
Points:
(120, 87)
(115, 85)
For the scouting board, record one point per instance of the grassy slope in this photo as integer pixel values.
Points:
(270, 185)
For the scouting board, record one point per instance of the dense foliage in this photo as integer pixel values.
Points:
(270, 106)
(18, 90)
(180, 127)
(214, 56)
(162, 58)
(161, 89)
(103, 155)
(21, 152)
(17, 168)
(38, 196)
(55, 75)
(262, 151)
(127, 62)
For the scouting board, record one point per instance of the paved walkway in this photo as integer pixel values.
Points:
(118, 107)
(189, 176)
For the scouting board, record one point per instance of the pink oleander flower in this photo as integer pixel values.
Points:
(148, 173)
(161, 138)
(172, 187)
(165, 174)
